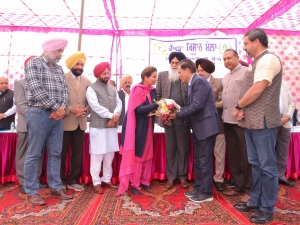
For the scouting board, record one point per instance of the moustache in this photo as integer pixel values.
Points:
(128, 86)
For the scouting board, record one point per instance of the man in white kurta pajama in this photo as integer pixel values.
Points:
(106, 108)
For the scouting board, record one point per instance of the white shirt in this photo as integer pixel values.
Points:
(126, 100)
(103, 140)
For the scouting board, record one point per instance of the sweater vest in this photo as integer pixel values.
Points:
(106, 96)
(267, 104)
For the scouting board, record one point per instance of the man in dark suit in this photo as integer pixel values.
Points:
(205, 68)
(203, 115)
(125, 84)
(177, 132)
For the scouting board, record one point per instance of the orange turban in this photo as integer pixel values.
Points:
(74, 58)
(100, 68)
(27, 60)
(124, 79)
(54, 44)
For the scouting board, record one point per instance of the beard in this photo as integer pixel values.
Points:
(77, 72)
(173, 75)
(104, 81)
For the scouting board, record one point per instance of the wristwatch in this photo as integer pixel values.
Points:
(236, 105)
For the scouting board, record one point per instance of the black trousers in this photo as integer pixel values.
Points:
(76, 139)
(236, 149)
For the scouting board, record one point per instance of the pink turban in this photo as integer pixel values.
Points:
(27, 60)
(100, 68)
(54, 44)
(243, 63)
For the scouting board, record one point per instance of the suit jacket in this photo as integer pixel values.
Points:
(122, 98)
(21, 104)
(288, 102)
(201, 109)
(76, 97)
(216, 85)
(163, 88)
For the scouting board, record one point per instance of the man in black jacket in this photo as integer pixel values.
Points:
(125, 84)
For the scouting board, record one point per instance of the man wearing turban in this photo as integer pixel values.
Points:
(47, 97)
(75, 122)
(105, 112)
(178, 132)
(125, 84)
(205, 68)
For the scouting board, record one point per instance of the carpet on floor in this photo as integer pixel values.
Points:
(155, 206)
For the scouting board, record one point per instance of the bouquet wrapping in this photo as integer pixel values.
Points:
(166, 107)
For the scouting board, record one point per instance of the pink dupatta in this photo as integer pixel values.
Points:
(137, 96)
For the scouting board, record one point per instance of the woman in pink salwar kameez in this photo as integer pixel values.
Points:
(137, 135)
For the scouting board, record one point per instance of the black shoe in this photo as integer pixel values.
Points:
(42, 185)
(201, 198)
(229, 183)
(261, 217)
(246, 207)
(219, 186)
(22, 189)
(190, 194)
(287, 183)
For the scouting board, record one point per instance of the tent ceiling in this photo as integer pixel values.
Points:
(152, 17)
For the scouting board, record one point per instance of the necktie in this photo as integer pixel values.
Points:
(76, 83)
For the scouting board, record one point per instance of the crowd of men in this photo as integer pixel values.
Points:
(245, 115)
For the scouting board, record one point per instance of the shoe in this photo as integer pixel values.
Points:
(22, 189)
(220, 186)
(64, 187)
(61, 194)
(98, 189)
(201, 198)
(169, 184)
(135, 191)
(43, 185)
(229, 183)
(184, 184)
(76, 187)
(246, 207)
(287, 183)
(231, 192)
(245, 198)
(190, 194)
(109, 185)
(36, 199)
(147, 187)
(261, 217)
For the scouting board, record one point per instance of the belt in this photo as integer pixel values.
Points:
(41, 107)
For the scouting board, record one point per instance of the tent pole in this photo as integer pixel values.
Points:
(80, 25)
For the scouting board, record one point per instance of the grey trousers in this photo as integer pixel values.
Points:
(281, 149)
(21, 150)
(177, 150)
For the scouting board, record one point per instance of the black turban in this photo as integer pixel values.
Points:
(206, 65)
(179, 55)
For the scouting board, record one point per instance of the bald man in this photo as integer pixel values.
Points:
(75, 122)
(7, 105)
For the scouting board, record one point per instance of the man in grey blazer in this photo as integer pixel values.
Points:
(22, 145)
(287, 107)
(178, 131)
(203, 115)
(75, 122)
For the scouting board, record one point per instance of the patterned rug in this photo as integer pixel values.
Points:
(156, 206)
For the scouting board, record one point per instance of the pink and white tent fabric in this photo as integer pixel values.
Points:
(119, 30)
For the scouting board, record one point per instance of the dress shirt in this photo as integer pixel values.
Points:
(12, 110)
(45, 85)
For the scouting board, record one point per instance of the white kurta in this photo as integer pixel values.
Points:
(103, 140)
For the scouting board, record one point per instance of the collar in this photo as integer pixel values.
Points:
(190, 81)
(236, 68)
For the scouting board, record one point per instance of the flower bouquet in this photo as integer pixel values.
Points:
(166, 108)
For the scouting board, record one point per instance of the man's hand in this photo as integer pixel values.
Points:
(1, 116)
(115, 118)
(110, 123)
(58, 114)
(284, 120)
(172, 116)
(79, 111)
(167, 122)
(238, 114)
